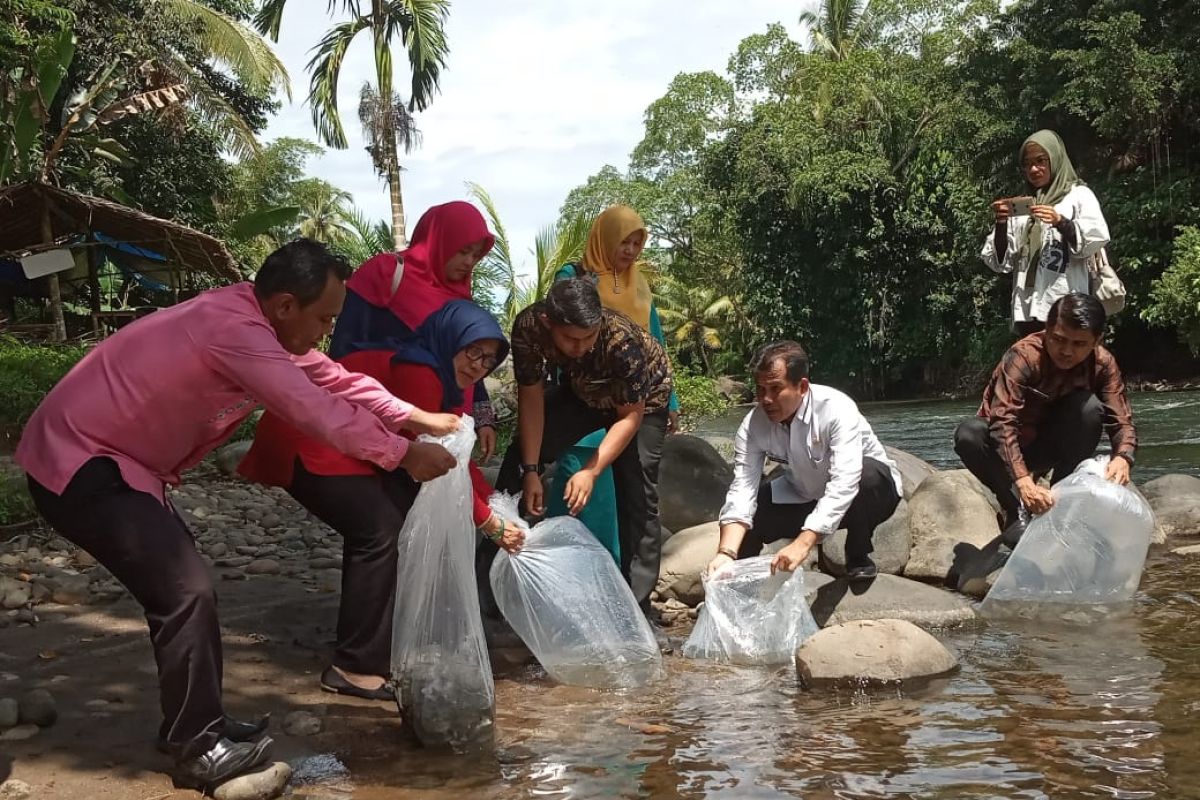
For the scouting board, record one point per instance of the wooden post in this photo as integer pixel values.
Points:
(56, 308)
(93, 259)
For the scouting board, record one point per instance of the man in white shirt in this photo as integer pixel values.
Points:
(839, 474)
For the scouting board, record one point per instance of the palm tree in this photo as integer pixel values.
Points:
(553, 246)
(366, 238)
(692, 316)
(324, 213)
(419, 26)
(838, 26)
(386, 125)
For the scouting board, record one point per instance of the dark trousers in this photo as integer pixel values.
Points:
(147, 547)
(1067, 435)
(635, 476)
(368, 511)
(875, 502)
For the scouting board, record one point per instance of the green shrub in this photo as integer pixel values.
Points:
(699, 398)
(15, 503)
(28, 372)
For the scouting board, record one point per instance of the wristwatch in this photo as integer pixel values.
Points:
(528, 468)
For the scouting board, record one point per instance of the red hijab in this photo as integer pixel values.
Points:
(440, 233)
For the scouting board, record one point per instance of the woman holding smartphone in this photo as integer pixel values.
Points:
(1046, 239)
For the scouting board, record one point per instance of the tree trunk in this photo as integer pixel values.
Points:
(394, 191)
(56, 308)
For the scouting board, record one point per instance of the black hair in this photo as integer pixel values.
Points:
(1080, 311)
(573, 302)
(302, 268)
(795, 360)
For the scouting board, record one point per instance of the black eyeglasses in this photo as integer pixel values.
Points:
(477, 355)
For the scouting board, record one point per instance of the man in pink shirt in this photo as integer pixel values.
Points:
(155, 398)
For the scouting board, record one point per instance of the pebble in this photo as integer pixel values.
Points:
(264, 785)
(13, 789)
(19, 733)
(37, 707)
(301, 723)
(9, 714)
(263, 566)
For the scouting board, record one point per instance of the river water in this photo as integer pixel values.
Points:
(1037, 710)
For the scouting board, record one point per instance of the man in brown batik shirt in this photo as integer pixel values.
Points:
(605, 372)
(1044, 409)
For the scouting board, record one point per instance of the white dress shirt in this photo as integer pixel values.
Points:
(824, 446)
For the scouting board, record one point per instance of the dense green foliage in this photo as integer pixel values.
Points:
(838, 193)
(27, 373)
(698, 397)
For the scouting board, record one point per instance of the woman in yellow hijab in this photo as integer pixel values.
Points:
(612, 256)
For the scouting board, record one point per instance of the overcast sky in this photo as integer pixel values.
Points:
(536, 96)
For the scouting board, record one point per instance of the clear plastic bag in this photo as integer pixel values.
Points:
(1089, 548)
(566, 599)
(439, 654)
(750, 616)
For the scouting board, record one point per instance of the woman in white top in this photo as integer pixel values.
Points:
(1047, 245)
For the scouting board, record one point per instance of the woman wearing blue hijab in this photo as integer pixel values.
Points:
(454, 348)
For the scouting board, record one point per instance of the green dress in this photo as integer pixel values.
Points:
(600, 514)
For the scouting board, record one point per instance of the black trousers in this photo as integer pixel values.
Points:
(635, 476)
(368, 511)
(875, 502)
(148, 548)
(1066, 436)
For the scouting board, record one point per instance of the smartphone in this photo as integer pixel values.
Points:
(1019, 206)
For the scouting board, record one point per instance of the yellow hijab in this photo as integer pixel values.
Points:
(627, 292)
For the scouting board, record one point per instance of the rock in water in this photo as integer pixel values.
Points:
(889, 597)
(37, 707)
(1175, 500)
(684, 557)
(9, 714)
(301, 723)
(692, 482)
(947, 509)
(876, 651)
(262, 785)
(892, 541)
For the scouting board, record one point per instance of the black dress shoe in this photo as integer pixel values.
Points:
(1013, 532)
(224, 761)
(861, 572)
(236, 730)
(332, 681)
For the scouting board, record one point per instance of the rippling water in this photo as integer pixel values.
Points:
(1105, 709)
(1038, 710)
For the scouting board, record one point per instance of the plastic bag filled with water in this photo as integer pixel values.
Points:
(439, 654)
(1089, 548)
(565, 597)
(750, 616)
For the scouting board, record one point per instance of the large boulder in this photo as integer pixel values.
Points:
(888, 597)
(947, 509)
(692, 482)
(1175, 500)
(684, 557)
(892, 541)
(876, 651)
(913, 471)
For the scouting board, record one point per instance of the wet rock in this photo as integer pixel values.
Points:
(693, 479)
(888, 597)
(14, 593)
(229, 456)
(947, 509)
(876, 651)
(263, 566)
(913, 471)
(37, 707)
(262, 785)
(9, 713)
(892, 541)
(975, 570)
(684, 557)
(13, 789)
(1175, 500)
(19, 733)
(301, 723)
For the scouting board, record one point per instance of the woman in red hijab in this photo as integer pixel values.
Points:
(390, 295)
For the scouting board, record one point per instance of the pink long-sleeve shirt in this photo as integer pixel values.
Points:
(164, 391)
